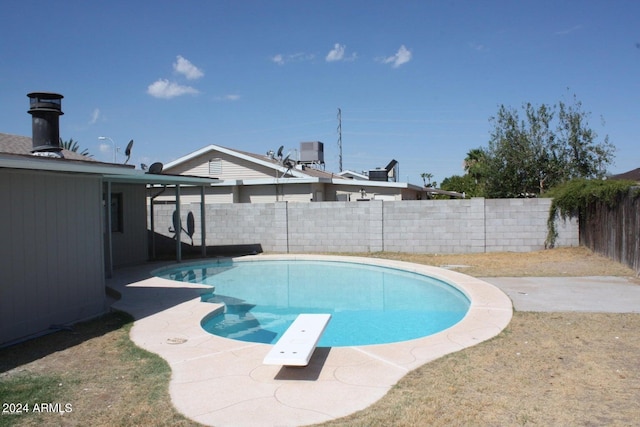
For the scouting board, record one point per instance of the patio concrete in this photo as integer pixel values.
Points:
(606, 294)
(223, 382)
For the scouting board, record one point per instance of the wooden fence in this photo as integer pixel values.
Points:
(614, 232)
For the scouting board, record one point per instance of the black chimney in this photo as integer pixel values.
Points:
(45, 109)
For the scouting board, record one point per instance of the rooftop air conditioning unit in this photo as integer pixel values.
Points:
(390, 171)
(312, 152)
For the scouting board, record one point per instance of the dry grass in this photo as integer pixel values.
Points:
(97, 369)
(564, 369)
(548, 263)
(544, 369)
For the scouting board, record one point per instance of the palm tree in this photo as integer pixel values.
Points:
(474, 163)
(426, 176)
(72, 145)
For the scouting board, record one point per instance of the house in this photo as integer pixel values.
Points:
(253, 178)
(55, 251)
(59, 240)
(632, 175)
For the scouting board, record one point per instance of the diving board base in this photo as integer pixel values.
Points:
(297, 344)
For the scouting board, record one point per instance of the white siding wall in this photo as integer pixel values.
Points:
(370, 192)
(51, 257)
(267, 193)
(192, 195)
(130, 246)
(232, 168)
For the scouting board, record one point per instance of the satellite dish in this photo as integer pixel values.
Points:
(280, 151)
(191, 226)
(177, 224)
(156, 168)
(288, 162)
(127, 151)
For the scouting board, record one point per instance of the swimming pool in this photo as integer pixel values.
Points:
(369, 304)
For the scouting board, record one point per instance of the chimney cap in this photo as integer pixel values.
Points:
(45, 101)
(47, 95)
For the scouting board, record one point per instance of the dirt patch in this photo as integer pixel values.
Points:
(569, 262)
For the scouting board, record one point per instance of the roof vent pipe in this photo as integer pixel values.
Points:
(45, 109)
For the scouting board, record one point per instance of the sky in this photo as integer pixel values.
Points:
(414, 81)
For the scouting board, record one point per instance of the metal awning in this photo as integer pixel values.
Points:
(149, 179)
(108, 171)
(160, 179)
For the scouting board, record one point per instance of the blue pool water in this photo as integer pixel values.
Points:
(369, 304)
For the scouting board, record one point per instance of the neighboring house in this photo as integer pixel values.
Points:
(353, 175)
(632, 175)
(16, 144)
(59, 242)
(254, 178)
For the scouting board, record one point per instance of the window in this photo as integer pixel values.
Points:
(116, 213)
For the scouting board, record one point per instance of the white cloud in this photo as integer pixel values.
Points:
(105, 148)
(230, 97)
(568, 30)
(163, 88)
(281, 59)
(337, 53)
(95, 116)
(402, 56)
(477, 46)
(186, 68)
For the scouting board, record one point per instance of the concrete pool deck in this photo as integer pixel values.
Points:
(222, 382)
(595, 294)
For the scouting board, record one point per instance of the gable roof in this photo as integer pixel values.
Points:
(300, 174)
(22, 145)
(262, 160)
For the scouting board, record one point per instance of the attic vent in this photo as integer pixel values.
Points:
(215, 167)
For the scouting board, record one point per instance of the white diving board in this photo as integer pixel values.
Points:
(298, 342)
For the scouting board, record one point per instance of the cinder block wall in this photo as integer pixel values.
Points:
(522, 224)
(335, 227)
(419, 226)
(247, 224)
(434, 226)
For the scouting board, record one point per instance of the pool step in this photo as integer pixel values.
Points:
(208, 295)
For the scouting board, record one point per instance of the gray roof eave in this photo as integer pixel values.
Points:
(111, 173)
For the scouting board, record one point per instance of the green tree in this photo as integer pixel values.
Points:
(475, 166)
(584, 158)
(462, 184)
(426, 179)
(475, 163)
(72, 145)
(549, 146)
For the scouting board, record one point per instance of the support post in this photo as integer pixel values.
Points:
(108, 233)
(203, 225)
(178, 226)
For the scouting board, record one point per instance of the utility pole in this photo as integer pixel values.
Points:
(339, 140)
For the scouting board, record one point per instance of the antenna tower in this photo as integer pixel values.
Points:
(339, 140)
